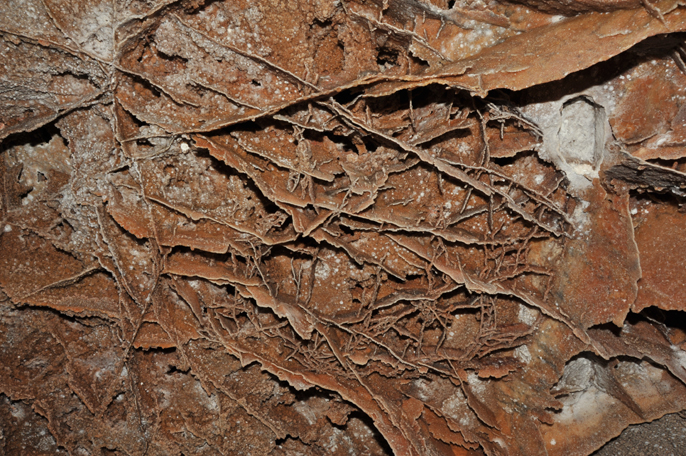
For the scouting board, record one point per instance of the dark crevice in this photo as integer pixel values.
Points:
(39, 136)
(175, 370)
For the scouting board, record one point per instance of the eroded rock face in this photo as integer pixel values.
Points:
(339, 227)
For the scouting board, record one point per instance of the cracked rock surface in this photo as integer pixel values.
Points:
(327, 227)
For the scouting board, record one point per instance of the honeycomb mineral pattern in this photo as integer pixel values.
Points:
(328, 227)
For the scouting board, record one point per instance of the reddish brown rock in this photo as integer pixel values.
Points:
(323, 227)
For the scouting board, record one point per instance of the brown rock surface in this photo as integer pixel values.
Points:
(410, 227)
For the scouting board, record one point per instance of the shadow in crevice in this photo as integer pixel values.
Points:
(39, 136)
(656, 47)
